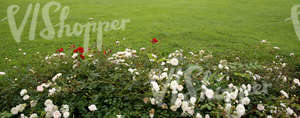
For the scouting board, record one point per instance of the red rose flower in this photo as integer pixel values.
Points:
(72, 46)
(79, 49)
(81, 56)
(60, 50)
(154, 40)
(75, 51)
(104, 52)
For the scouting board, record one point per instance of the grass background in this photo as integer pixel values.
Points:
(225, 27)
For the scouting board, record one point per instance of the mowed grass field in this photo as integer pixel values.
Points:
(225, 27)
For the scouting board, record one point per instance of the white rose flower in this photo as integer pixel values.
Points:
(142, 49)
(290, 111)
(230, 85)
(33, 103)
(152, 100)
(23, 92)
(180, 73)
(246, 92)
(23, 116)
(48, 102)
(284, 94)
(92, 107)
(234, 94)
(209, 93)
(240, 109)
(46, 85)
(21, 107)
(52, 91)
(173, 85)
(227, 97)
(2, 73)
(56, 114)
(220, 66)
(198, 115)
(49, 108)
(190, 111)
(178, 103)
(292, 54)
(33, 115)
(201, 52)
(26, 97)
(277, 48)
(249, 87)
(260, 107)
(119, 116)
(74, 55)
(269, 116)
(207, 116)
(155, 86)
(282, 104)
(228, 107)
(203, 87)
(179, 87)
(174, 61)
(184, 106)
(180, 96)
(164, 75)
(40, 88)
(193, 100)
(244, 86)
(66, 107)
(174, 91)
(263, 41)
(245, 101)
(14, 111)
(296, 81)
(131, 70)
(56, 76)
(66, 114)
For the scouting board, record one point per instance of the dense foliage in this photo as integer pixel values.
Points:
(131, 83)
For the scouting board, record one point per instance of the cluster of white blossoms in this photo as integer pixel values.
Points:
(18, 109)
(41, 87)
(54, 55)
(21, 107)
(24, 94)
(50, 109)
(173, 86)
(53, 90)
(120, 57)
(206, 93)
(223, 65)
(173, 57)
(238, 96)
(134, 72)
(53, 111)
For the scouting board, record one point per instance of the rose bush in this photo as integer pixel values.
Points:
(140, 83)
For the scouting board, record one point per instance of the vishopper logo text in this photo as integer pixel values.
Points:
(49, 32)
(295, 12)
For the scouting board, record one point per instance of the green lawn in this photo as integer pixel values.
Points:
(225, 27)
